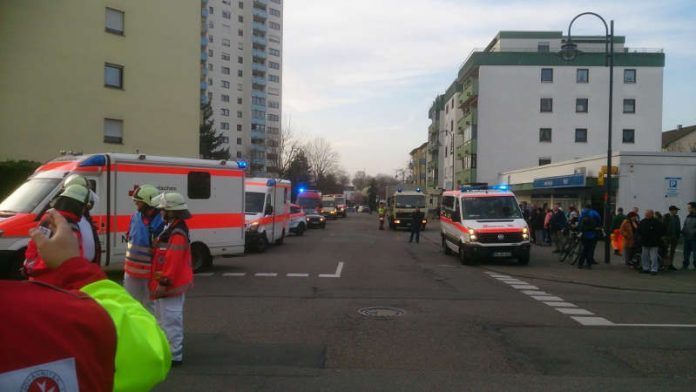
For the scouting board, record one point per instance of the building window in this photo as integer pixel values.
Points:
(274, 104)
(239, 154)
(113, 75)
(210, 81)
(239, 101)
(240, 33)
(211, 10)
(277, 1)
(274, 78)
(227, 14)
(226, 42)
(210, 96)
(239, 140)
(240, 19)
(113, 131)
(629, 136)
(226, 56)
(273, 52)
(211, 24)
(240, 73)
(225, 70)
(241, 4)
(239, 114)
(114, 21)
(544, 135)
(581, 135)
(543, 47)
(240, 60)
(199, 185)
(210, 52)
(629, 75)
(225, 84)
(547, 74)
(546, 105)
(258, 101)
(581, 105)
(210, 67)
(544, 161)
(274, 12)
(273, 117)
(582, 75)
(273, 65)
(274, 25)
(239, 127)
(258, 114)
(629, 106)
(225, 112)
(225, 98)
(224, 125)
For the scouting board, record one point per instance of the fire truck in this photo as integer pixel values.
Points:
(482, 222)
(402, 201)
(267, 210)
(214, 192)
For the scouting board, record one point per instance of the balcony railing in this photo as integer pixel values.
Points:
(204, 85)
(204, 12)
(259, 67)
(204, 56)
(259, 26)
(204, 41)
(259, 80)
(259, 40)
(259, 53)
(260, 13)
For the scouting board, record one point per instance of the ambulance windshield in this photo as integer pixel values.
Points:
(490, 208)
(328, 203)
(410, 201)
(307, 203)
(28, 196)
(254, 202)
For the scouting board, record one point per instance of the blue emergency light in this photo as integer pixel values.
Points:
(502, 187)
(242, 164)
(300, 190)
(94, 160)
(418, 189)
(271, 182)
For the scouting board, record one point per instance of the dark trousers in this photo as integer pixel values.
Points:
(689, 249)
(416, 232)
(588, 248)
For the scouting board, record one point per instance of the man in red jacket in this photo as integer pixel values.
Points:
(114, 344)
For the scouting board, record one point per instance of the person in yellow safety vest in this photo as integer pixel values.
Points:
(381, 212)
(145, 225)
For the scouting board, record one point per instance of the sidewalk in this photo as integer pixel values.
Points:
(544, 265)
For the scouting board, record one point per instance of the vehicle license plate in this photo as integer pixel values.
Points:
(502, 254)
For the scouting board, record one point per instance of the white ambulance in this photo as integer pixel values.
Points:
(267, 212)
(481, 222)
(214, 192)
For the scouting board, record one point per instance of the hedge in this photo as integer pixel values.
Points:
(13, 174)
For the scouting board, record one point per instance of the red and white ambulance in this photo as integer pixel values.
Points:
(214, 191)
(481, 222)
(267, 212)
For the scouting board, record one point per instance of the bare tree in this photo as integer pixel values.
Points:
(287, 148)
(322, 157)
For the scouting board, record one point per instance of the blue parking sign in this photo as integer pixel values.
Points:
(672, 186)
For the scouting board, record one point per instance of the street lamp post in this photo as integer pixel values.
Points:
(569, 52)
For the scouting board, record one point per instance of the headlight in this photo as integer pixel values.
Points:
(322, 219)
(424, 221)
(307, 219)
(524, 231)
(253, 226)
(472, 232)
(473, 237)
(397, 221)
(525, 236)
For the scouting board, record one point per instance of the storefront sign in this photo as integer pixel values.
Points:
(672, 186)
(572, 181)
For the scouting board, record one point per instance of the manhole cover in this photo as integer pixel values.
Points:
(381, 312)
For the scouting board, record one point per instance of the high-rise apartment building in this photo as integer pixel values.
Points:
(517, 104)
(95, 76)
(241, 75)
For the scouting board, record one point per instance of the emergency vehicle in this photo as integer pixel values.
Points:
(310, 201)
(267, 211)
(341, 206)
(402, 201)
(214, 192)
(297, 223)
(481, 222)
(328, 207)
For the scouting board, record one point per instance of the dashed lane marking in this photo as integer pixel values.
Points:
(339, 269)
(239, 274)
(266, 274)
(205, 274)
(337, 274)
(297, 275)
(582, 316)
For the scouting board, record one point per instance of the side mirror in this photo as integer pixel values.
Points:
(456, 217)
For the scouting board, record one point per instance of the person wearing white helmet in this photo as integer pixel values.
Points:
(172, 274)
(70, 204)
(145, 225)
(90, 237)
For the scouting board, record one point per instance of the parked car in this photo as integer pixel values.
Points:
(365, 209)
(298, 223)
(314, 220)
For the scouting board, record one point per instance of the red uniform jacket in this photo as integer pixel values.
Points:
(171, 262)
(34, 264)
(49, 330)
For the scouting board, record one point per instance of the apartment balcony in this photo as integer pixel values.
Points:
(204, 56)
(204, 85)
(258, 135)
(258, 121)
(433, 147)
(259, 80)
(258, 147)
(469, 90)
(259, 67)
(259, 40)
(469, 119)
(259, 54)
(204, 41)
(466, 148)
(261, 3)
(258, 161)
(259, 26)
(204, 99)
(204, 12)
(259, 13)
(259, 94)
(466, 175)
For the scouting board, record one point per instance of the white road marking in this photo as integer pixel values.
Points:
(511, 282)
(546, 298)
(657, 325)
(575, 311)
(339, 269)
(561, 304)
(524, 287)
(592, 321)
(268, 274)
(234, 274)
(297, 275)
(204, 274)
(534, 292)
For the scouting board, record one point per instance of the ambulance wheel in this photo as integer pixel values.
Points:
(280, 240)
(300, 230)
(462, 256)
(445, 249)
(200, 257)
(262, 244)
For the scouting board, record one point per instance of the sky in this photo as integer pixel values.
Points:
(363, 73)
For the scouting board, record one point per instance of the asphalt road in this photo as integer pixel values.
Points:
(251, 326)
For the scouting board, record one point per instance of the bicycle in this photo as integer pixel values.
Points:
(572, 249)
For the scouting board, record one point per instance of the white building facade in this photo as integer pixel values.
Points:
(521, 105)
(241, 64)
